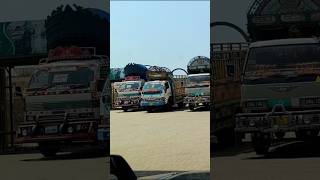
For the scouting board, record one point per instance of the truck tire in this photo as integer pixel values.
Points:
(125, 109)
(207, 106)
(48, 149)
(180, 105)
(191, 107)
(261, 144)
(261, 149)
(149, 109)
(279, 135)
(306, 134)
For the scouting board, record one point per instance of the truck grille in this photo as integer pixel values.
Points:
(56, 117)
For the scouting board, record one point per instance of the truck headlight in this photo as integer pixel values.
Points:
(24, 132)
(307, 120)
(70, 130)
(252, 122)
(30, 118)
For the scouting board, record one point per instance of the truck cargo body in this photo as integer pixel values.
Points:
(228, 60)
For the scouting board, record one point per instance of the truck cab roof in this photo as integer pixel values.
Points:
(157, 81)
(200, 74)
(280, 42)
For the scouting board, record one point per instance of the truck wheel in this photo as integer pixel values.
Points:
(207, 106)
(279, 135)
(149, 110)
(261, 143)
(48, 149)
(180, 105)
(125, 109)
(191, 107)
(261, 149)
(306, 134)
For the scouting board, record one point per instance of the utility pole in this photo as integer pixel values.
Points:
(2, 108)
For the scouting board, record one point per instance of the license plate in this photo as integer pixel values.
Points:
(51, 129)
(282, 120)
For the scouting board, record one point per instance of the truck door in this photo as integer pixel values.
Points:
(170, 91)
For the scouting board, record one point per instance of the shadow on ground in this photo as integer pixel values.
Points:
(293, 150)
(152, 173)
(200, 109)
(230, 150)
(89, 153)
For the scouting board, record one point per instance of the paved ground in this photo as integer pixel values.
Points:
(164, 141)
(64, 167)
(290, 161)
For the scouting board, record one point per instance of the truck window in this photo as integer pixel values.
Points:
(51, 78)
(39, 79)
(267, 60)
(198, 81)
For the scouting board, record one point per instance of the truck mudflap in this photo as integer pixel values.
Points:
(278, 121)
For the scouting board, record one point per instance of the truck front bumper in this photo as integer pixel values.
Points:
(197, 100)
(128, 103)
(57, 131)
(278, 121)
(152, 103)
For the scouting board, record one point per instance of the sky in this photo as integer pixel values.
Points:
(163, 33)
(19, 10)
(233, 11)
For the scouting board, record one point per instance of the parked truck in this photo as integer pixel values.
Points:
(129, 92)
(162, 91)
(280, 79)
(198, 83)
(63, 100)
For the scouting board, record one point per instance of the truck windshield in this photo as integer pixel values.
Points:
(153, 88)
(198, 81)
(263, 62)
(132, 85)
(77, 77)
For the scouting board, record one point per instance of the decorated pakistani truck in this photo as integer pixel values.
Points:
(280, 79)
(162, 91)
(63, 98)
(129, 91)
(198, 83)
